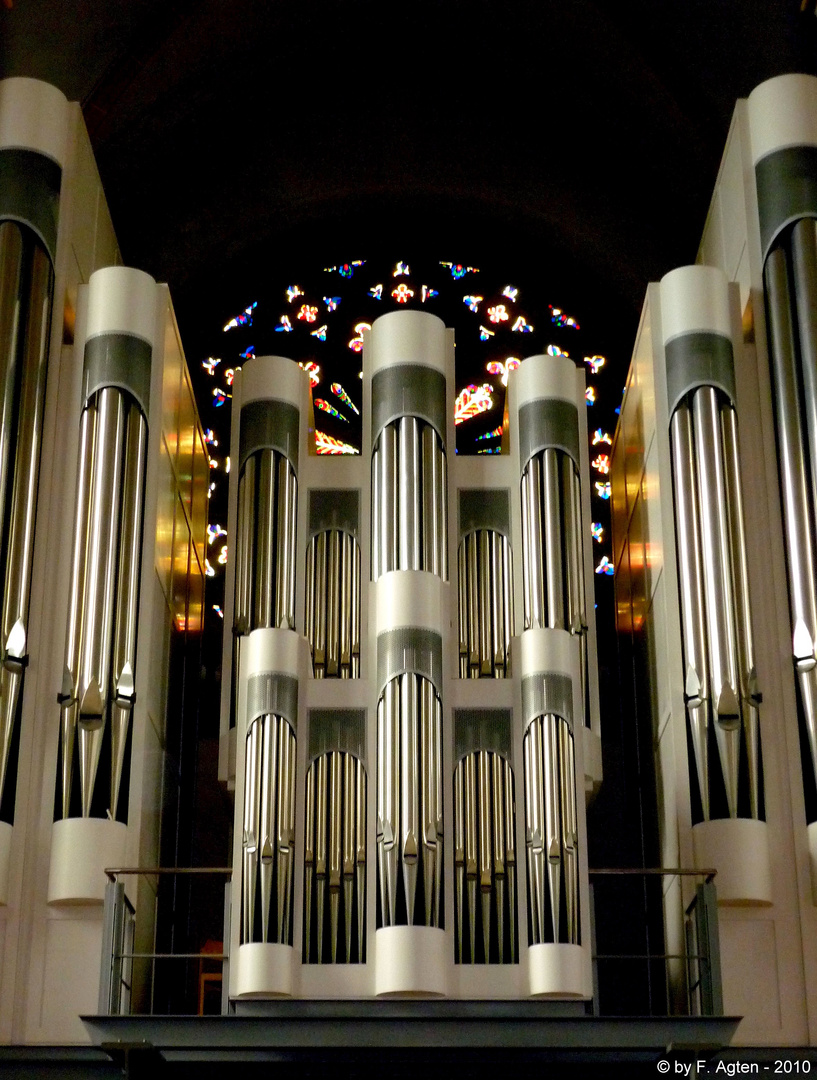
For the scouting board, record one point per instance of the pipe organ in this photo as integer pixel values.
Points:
(404, 826)
(713, 499)
(103, 491)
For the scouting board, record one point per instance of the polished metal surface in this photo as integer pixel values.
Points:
(690, 575)
(484, 859)
(484, 605)
(335, 860)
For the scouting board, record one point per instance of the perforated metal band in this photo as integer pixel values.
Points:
(548, 693)
(269, 425)
(409, 649)
(272, 692)
(702, 358)
(548, 423)
(121, 360)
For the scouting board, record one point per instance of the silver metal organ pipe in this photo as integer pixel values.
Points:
(792, 465)
(696, 678)
(335, 858)
(551, 830)
(26, 320)
(332, 599)
(484, 596)
(409, 797)
(484, 858)
(268, 831)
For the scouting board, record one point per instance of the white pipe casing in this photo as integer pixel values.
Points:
(407, 337)
(33, 116)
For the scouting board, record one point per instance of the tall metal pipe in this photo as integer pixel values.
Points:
(690, 571)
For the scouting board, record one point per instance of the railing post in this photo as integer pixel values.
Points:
(113, 937)
(705, 914)
(225, 963)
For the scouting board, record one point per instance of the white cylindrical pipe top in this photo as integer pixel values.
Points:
(783, 113)
(271, 649)
(546, 376)
(545, 650)
(407, 337)
(272, 378)
(408, 598)
(121, 300)
(695, 299)
(33, 116)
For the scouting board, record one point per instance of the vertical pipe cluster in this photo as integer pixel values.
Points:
(790, 280)
(409, 802)
(409, 499)
(485, 586)
(98, 690)
(552, 556)
(332, 618)
(268, 833)
(265, 552)
(485, 859)
(335, 860)
(551, 831)
(720, 680)
(26, 287)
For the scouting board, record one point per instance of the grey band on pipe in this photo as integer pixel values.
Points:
(337, 508)
(272, 692)
(488, 508)
(548, 423)
(702, 358)
(482, 729)
(546, 693)
(118, 360)
(786, 190)
(269, 425)
(412, 649)
(337, 729)
(30, 193)
(408, 390)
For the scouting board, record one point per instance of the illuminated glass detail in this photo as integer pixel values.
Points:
(284, 326)
(603, 489)
(312, 370)
(222, 556)
(471, 401)
(427, 293)
(600, 436)
(218, 611)
(210, 437)
(214, 532)
(292, 292)
(498, 314)
(320, 333)
(347, 270)
(210, 364)
(327, 445)
(496, 367)
(490, 434)
(472, 302)
(595, 363)
(597, 529)
(401, 269)
(601, 464)
(338, 391)
(522, 326)
(511, 293)
(356, 344)
(402, 294)
(244, 319)
(489, 450)
(558, 317)
(590, 395)
(324, 406)
(208, 569)
(248, 353)
(605, 567)
(332, 302)
(554, 350)
(458, 270)
(308, 313)
(219, 397)
(213, 463)
(485, 333)
(376, 291)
